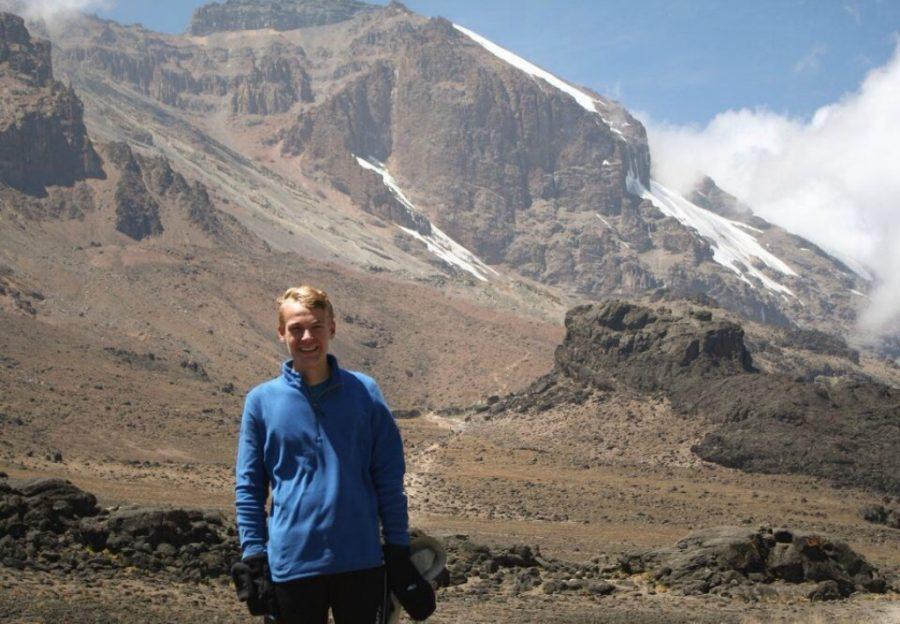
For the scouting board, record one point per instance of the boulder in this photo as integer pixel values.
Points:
(726, 555)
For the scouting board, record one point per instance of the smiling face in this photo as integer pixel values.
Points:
(307, 333)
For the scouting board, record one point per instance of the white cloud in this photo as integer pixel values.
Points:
(51, 9)
(832, 179)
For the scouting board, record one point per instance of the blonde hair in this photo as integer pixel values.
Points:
(309, 296)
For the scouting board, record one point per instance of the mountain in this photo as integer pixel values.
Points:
(470, 154)
(455, 201)
(387, 153)
(145, 245)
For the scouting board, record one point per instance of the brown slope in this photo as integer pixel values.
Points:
(136, 303)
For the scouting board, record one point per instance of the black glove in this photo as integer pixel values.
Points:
(253, 583)
(412, 591)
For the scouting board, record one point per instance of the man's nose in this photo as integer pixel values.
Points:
(306, 335)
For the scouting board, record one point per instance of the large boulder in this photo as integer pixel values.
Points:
(717, 557)
(887, 514)
(649, 349)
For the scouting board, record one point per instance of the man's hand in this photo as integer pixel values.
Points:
(412, 591)
(253, 583)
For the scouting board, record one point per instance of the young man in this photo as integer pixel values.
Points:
(326, 443)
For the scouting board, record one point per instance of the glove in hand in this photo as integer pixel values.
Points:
(253, 583)
(413, 592)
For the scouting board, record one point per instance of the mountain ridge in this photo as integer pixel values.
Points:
(525, 189)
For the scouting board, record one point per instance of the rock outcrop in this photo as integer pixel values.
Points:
(137, 212)
(847, 432)
(52, 525)
(729, 559)
(277, 15)
(148, 189)
(43, 141)
(887, 514)
(262, 81)
(649, 349)
(273, 85)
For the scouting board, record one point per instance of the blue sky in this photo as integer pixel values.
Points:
(680, 61)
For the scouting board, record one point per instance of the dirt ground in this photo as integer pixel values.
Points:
(503, 482)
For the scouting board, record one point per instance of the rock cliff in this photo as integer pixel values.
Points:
(149, 189)
(278, 15)
(43, 141)
(496, 155)
(262, 81)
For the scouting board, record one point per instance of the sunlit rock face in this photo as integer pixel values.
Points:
(278, 15)
(43, 140)
(526, 172)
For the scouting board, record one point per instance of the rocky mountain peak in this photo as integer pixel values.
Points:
(275, 14)
(21, 56)
(43, 140)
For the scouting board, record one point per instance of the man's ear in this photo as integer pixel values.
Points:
(333, 328)
(280, 333)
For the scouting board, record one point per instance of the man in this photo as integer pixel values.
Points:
(324, 441)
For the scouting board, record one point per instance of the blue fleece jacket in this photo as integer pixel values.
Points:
(335, 467)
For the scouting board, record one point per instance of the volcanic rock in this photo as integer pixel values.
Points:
(707, 194)
(47, 522)
(43, 140)
(277, 15)
(649, 349)
(137, 212)
(888, 514)
(769, 423)
(521, 165)
(717, 557)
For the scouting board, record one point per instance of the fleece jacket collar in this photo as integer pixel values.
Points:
(295, 379)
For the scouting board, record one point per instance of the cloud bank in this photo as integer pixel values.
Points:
(834, 179)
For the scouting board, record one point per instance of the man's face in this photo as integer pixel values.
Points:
(306, 332)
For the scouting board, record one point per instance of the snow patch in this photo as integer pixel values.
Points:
(732, 247)
(452, 252)
(586, 101)
(437, 242)
(373, 165)
(619, 236)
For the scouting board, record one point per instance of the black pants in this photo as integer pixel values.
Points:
(354, 598)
